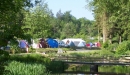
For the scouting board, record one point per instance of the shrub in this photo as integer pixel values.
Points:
(32, 50)
(55, 66)
(123, 47)
(4, 56)
(105, 53)
(112, 47)
(106, 44)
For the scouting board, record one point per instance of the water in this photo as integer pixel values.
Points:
(103, 70)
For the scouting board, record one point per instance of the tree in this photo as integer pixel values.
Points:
(38, 21)
(112, 16)
(11, 18)
(69, 30)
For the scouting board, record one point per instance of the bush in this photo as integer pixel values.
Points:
(106, 44)
(112, 47)
(123, 47)
(105, 53)
(4, 56)
(56, 67)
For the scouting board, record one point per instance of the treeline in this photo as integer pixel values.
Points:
(42, 23)
(26, 19)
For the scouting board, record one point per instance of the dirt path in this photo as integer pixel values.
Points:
(82, 51)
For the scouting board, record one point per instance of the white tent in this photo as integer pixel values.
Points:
(81, 44)
(34, 45)
(76, 41)
(71, 44)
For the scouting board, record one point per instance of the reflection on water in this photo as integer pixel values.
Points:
(103, 70)
(115, 69)
(81, 69)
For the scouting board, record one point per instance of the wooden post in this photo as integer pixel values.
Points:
(93, 68)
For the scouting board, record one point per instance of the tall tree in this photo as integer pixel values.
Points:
(11, 18)
(38, 21)
(113, 17)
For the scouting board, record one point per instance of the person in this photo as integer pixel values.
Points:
(91, 44)
(23, 45)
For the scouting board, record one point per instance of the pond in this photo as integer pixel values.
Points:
(103, 70)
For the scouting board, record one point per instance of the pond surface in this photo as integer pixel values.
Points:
(103, 70)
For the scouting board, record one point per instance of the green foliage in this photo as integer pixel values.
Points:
(114, 69)
(37, 22)
(32, 50)
(95, 53)
(30, 58)
(33, 61)
(123, 47)
(106, 53)
(26, 68)
(39, 26)
(106, 44)
(13, 44)
(56, 67)
(83, 36)
(4, 56)
(112, 47)
(111, 18)
(3, 42)
(11, 18)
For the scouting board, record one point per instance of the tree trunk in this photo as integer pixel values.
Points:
(98, 34)
(105, 32)
(110, 39)
(120, 39)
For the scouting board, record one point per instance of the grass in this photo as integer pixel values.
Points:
(21, 68)
(39, 64)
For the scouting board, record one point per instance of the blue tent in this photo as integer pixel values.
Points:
(52, 43)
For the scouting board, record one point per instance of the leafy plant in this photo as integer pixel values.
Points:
(13, 45)
(26, 68)
(123, 47)
(56, 66)
(4, 56)
(105, 45)
(112, 47)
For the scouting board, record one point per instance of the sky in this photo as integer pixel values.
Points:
(77, 8)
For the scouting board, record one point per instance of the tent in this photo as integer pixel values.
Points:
(52, 43)
(76, 41)
(71, 44)
(81, 44)
(42, 43)
(61, 44)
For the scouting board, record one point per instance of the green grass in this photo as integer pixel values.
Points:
(21, 68)
(30, 62)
